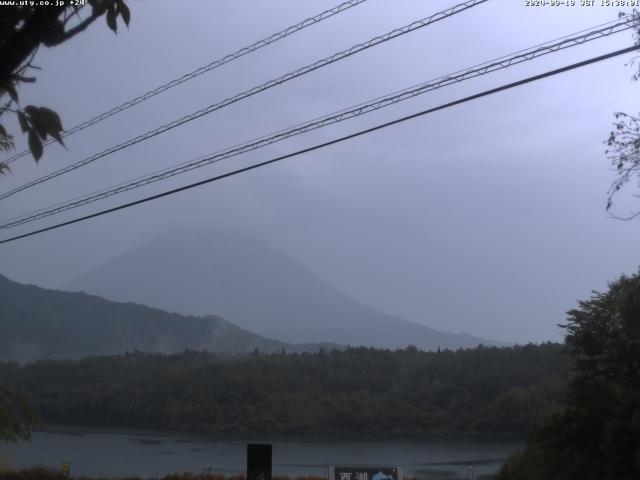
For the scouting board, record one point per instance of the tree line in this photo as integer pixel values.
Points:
(596, 436)
(484, 391)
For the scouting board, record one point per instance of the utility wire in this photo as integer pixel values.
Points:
(328, 143)
(204, 69)
(253, 91)
(352, 112)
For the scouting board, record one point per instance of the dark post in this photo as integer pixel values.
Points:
(258, 461)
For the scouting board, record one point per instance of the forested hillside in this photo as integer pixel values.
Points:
(486, 390)
(37, 323)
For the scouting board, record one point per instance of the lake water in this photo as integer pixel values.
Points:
(147, 454)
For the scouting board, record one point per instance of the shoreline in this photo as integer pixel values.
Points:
(74, 429)
(114, 453)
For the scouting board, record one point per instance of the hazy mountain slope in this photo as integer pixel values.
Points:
(38, 323)
(255, 286)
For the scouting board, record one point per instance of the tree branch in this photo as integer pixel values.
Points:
(626, 219)
(97, 12)
(34, 32)
(42, 27)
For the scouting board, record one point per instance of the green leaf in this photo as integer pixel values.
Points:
(52, 122)
(11, 89)
(40, 127)
(94, 6)
(6, 140)
(35, 145)
(22, 119)
(50, 118)
(45, 121)
(58, 137)
(125, 13)
(111, 18)
(31, 110)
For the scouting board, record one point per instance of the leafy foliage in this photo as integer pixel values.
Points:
(493, 391)
(38, 122)
(624, 152)
(23, 29)
(16, 416)
(597, 435)
(624, 140)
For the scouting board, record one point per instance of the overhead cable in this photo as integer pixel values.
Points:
(336, 117)
(326, 144)
(199, 71)
(255, 90)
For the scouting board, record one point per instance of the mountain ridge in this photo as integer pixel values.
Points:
(39, 323)
(256, 286)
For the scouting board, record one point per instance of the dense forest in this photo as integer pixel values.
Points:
(487, 390)
(596, 436)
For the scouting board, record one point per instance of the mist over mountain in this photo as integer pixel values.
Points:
(256, 286)
(36, 323)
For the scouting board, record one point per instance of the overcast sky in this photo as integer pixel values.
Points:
(486, 218)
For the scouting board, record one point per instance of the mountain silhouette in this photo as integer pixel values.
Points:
(37, 323)
(256, 286)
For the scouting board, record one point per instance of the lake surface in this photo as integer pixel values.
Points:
(147, 454)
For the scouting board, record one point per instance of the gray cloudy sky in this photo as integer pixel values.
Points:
(486, 218)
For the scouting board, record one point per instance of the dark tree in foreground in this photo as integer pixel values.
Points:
(597, 436)
(23, 30)
(16, 416)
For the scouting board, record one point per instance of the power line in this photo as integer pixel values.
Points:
(204, 69)
(328, 143)
(255, 90)
(345, 114)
